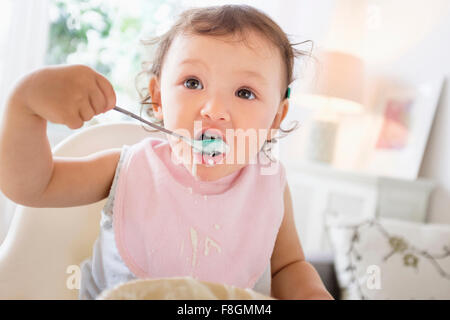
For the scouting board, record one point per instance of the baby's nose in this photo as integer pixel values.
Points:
(215, 111)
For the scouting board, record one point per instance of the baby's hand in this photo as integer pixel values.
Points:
(69, 94)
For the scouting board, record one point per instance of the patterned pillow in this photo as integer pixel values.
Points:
(382, 258)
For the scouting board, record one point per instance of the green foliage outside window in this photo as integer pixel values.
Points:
(105, 35)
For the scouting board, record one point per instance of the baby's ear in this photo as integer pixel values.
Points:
(154, 90)
(284, 107)
(281, 114)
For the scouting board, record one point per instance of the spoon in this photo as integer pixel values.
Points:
(208, 146)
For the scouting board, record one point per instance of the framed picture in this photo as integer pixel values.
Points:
(404, 114)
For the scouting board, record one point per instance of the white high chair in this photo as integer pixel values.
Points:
(43, 243)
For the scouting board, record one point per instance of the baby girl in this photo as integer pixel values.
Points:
(218, 73)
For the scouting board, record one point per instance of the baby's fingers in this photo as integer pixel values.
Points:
(108, 92)
(75, 121)
(87, 113)
(97, 101)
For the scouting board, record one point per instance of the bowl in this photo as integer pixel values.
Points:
(178, 288)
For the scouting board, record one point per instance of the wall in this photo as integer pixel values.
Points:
(430, 58)
(404, 39)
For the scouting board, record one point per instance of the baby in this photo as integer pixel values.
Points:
(219, 73)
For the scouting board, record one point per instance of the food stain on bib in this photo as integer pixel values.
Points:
(194, 246)
(182, 248)
(211, 242)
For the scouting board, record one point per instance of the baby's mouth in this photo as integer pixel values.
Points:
(212, 147)
(212, 142)
(210, 132)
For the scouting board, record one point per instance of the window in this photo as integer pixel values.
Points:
(105, 35)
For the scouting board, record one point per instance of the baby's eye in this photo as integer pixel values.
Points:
(193, 84)
(246, 94)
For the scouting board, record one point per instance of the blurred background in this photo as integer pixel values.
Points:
(372, 103)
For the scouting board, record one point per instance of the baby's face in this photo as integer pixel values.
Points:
(215, 83)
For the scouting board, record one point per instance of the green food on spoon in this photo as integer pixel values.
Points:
(211, 146)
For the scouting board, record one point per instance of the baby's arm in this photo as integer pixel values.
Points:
(292, 276)
(29, 174)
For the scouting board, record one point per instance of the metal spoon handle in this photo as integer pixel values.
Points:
(130, 114)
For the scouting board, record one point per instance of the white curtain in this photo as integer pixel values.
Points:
(23, 42)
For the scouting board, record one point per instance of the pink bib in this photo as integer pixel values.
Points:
(168, 224)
